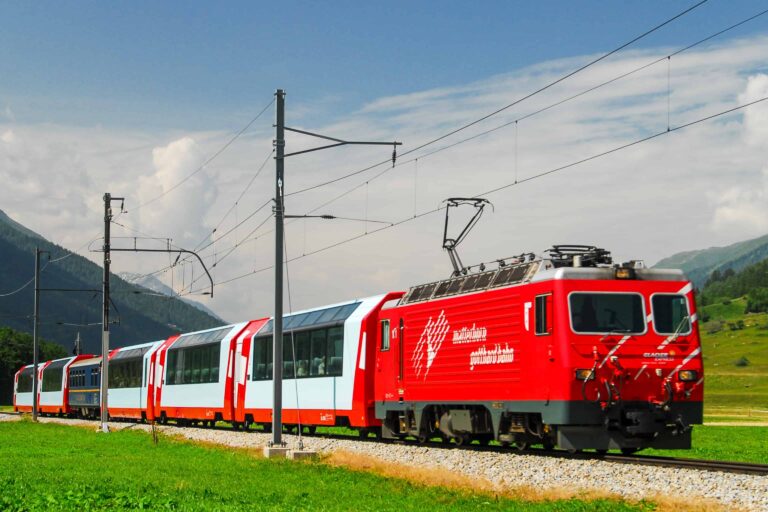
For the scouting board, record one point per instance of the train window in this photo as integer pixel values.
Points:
(125, 373)
(287, 357)
(196, 364)
(335, 350)
(319, 353)
(600, 313)
(543, 312)
(670, 314)
(52, 379)
(25, 381)
(262, 359)
(384, 335)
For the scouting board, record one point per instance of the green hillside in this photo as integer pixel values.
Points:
(735, 349)
(699, 264)
(142, 317)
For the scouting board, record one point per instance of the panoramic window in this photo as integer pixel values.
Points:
(125, 374)
(670, 314)
(52, 379)
(25, 381)
(607, 312)
(196, 364)
(319, 353)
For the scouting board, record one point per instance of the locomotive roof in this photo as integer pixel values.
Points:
(532, 271)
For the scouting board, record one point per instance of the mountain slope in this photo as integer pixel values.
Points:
(142, 317)
(154, 284)
(698, 265)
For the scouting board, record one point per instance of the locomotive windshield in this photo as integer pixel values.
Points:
(670, 314)
(593, 313)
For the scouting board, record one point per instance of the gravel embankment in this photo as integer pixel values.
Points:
(510, 471)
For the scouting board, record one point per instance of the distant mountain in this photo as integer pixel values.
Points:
(143, 317)
(154, 284)
(699, 265)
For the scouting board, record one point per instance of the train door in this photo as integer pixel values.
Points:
(543, 327)
(400, 358)
(387, 359)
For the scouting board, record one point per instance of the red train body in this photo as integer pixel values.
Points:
(565, 356)
(566, 350)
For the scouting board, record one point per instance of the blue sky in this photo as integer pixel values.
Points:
(205, 65)
(133, 97)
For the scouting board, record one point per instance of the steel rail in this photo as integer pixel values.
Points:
(746, 468)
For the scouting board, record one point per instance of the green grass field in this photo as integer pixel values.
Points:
(6, 408)
(735, 391)
(56, 467)
(737, 444)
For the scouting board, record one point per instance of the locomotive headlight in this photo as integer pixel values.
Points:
(625, 273)
(687, 375)
(585, 374)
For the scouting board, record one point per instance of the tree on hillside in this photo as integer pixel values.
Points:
(757, 301)
(15, 352)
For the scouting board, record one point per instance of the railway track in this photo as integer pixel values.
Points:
(745, 468)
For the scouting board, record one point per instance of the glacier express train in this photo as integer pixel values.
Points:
(566, 350)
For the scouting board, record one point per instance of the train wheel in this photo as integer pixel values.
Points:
(460, 440)
(549, 446)
(629, 451)
(422, 438)
(601, 452)
(363, 433)
(522, 446)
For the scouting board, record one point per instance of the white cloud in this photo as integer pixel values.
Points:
(180, 215)
(756, 119)
(648, 201)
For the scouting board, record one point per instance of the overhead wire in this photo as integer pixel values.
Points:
(509, 105)
(516, 121)
(536, 112)
(207, 161)
(502, 187)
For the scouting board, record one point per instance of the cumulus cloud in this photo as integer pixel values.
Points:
(742, 209)
(178, 215)
(756, 119)
(647, 202)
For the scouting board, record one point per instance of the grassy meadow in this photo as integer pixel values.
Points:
(735, 349)
(54, 467)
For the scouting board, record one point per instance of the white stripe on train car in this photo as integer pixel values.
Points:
(685, 361)
(613, 350)
(362, 353)
(685, 290)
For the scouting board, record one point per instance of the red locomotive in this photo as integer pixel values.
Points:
(566, 350)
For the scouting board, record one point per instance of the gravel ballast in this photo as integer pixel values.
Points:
(511, 471)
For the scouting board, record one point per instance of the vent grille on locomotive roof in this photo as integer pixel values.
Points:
(522, 269)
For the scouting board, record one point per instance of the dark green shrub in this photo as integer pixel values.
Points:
(757, 301)
(741, 362)
(714, 327)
